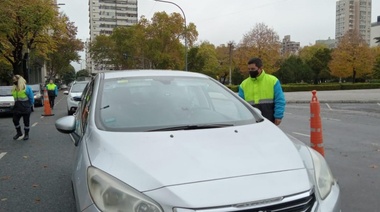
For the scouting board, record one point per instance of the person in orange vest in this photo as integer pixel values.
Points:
(52, 90)
(24, 100)
(263, 91)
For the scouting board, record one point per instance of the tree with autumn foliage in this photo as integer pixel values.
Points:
(67, 48)
(157, 44)
(262, 42)
(352, 57)
(317, 58)
(25, 26)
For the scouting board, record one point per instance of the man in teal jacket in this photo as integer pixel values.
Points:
(52, 90)
(263, 91)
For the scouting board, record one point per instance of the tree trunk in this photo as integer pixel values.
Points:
(353, 75)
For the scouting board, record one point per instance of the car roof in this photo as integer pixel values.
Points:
(150, 72)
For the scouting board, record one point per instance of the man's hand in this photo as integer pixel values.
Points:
(277, 122)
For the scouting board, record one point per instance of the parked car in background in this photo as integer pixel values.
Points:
(38, 91)
(73, 95)
(164, 141)
(6, 100)
(63, 87)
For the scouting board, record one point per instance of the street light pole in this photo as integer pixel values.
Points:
(184, 17)
(230, 45)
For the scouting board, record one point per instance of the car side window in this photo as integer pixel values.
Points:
(86, 104)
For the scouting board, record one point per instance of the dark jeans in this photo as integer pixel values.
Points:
(51, 101)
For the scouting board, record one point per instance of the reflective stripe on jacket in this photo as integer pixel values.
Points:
(265, 93)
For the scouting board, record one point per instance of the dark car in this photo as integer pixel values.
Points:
(38, 94)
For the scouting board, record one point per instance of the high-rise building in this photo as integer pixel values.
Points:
(353, 15)
(375, 32)
(289, 47)
(105, 15)
(329, 43)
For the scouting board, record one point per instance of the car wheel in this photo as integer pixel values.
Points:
(69, 113)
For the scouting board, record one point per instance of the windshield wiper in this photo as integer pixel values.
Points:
(105, 107)
(192, 127)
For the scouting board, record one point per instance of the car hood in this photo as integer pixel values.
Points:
(153, 160)
(6, 100)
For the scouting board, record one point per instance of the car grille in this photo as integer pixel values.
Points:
(300, 205)
(301, 202)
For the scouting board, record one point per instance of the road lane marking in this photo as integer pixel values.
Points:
(331, 119)
(328, 106)
(33, 125)
(2, 154)
(301, 134)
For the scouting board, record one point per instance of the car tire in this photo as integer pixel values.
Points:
(69, 113)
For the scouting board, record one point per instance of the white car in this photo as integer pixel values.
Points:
(74, 95)
(6, 100)
(175, 141)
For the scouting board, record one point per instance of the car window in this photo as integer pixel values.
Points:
(6, 91)
(141, 104)
(86, 103)
(78, 87)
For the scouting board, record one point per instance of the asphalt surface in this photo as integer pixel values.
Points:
(339, 96)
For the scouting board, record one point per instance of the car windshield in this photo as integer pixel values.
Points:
(78, 87)
(6, 91)
(169, 103)
(35, 87)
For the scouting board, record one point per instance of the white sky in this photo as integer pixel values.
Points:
(221, 21)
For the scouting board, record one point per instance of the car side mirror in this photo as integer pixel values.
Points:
(65, 124)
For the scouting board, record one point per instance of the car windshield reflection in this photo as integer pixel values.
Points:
(176, 103)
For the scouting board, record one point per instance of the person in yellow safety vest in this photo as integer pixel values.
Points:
(24, 100)
(263, 91)
(52, 90)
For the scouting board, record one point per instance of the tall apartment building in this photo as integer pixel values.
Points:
(105, 15)
(353, 15)
(329, 43)
(288, 46)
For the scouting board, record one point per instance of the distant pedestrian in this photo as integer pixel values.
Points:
(263, 91)
(24, 100)
(52, 90)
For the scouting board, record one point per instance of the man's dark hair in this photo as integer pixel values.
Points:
(257, 61)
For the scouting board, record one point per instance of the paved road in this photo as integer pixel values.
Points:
(339, 96)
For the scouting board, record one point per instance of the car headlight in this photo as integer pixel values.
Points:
(323, 175)
(37, 96)
(110, 194)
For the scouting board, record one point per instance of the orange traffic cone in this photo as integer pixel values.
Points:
(47, 109)
(316, 138)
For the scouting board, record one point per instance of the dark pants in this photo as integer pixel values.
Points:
(51, 101)
(16, 121)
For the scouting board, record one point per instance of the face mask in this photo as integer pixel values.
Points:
(15, 83)
(254, 74)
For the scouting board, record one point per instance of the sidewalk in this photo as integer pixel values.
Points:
(338, 96)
